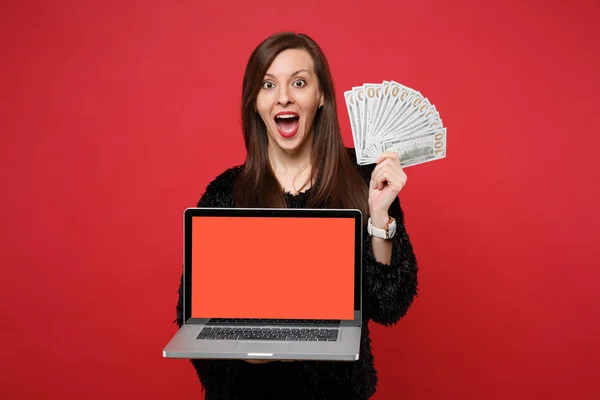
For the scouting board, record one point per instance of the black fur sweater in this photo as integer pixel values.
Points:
(388, 291)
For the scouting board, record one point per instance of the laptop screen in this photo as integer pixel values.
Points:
(269, 267)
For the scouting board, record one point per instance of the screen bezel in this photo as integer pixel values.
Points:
(192, 212)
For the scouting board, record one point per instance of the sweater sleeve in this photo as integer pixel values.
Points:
(389, 290)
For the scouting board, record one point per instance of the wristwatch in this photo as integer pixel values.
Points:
(387, 233)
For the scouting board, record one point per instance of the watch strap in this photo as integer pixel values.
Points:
(378, 232)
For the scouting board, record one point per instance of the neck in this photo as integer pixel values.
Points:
(289, 162)
(291, 168)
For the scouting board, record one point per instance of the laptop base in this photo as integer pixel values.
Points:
(186, 344)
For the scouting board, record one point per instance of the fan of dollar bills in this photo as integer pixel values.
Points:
(389, 116)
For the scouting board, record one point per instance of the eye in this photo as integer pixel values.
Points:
(300, 83)
(268, 85)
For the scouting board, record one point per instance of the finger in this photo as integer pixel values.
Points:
(391, 165)
(394, 164)
(397, 180)
(381, 165)
(394, 158)
(375, 175)
(384, 155)
(388, 163)
(381, 177)
(384, 179)
(392, 155)
(390, 175)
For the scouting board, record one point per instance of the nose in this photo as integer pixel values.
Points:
(285, 97)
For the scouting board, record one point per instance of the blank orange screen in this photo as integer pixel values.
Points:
(249, 267)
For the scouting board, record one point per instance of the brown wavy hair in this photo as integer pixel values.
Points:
(337, 181)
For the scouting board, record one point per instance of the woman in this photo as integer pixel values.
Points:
(296, 158)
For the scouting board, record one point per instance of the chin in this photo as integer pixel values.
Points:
(289, 144)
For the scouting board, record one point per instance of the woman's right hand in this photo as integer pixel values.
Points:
(265, 361)
(258, 361)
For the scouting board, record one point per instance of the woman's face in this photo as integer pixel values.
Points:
(289, 98)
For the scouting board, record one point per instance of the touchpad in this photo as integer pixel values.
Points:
(261, 347)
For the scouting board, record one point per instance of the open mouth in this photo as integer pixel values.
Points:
(287, 123)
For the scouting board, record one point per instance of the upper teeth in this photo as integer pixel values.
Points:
(286, 116)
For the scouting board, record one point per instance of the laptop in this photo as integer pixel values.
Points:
(275, 284)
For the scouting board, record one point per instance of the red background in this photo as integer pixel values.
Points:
(116, 114)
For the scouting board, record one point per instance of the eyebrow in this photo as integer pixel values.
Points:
(293, 74)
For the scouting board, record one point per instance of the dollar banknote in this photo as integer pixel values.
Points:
(389, 116)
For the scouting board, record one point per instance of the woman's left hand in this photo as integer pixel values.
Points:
(387, 179)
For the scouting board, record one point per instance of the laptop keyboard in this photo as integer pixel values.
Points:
(284, 334)
(248, 321)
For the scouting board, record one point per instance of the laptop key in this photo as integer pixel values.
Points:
(269, 333)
